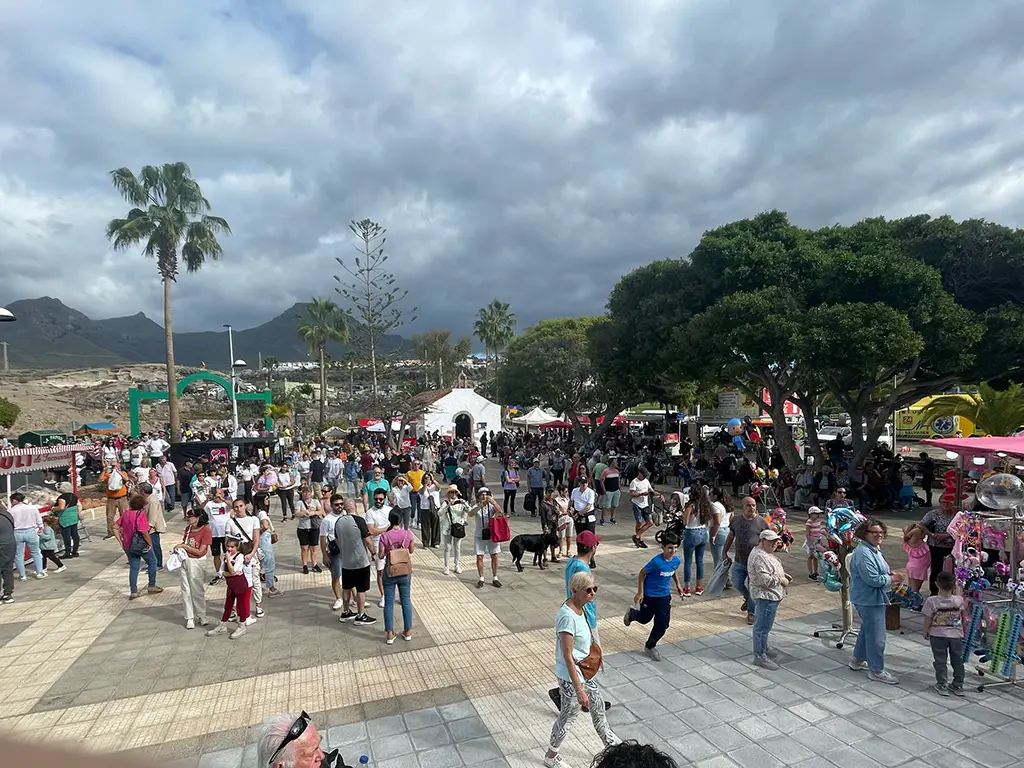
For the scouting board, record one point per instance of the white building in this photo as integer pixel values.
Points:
(460, 412)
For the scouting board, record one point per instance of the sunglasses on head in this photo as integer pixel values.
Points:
(298, 728)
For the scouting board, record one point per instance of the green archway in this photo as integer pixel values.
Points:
(135, 397)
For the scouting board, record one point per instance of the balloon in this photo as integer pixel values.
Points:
(735, 427)
(1001, 491)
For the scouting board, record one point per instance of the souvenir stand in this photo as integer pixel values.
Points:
(993, 587)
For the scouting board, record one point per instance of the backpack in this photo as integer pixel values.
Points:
(399, 559)
(115, 482)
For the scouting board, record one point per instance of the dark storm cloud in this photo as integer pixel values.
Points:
(529, 151)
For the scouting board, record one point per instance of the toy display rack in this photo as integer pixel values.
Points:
(1012, 604)
(839, 633)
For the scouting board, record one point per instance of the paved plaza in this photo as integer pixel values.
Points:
(83, 666)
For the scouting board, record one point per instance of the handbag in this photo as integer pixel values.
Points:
(500, 530)
(174, 561)
(458, 530)
(529, 503)
(137, 546)
(399, 561)
(593, 662)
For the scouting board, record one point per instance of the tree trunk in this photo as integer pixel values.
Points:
(323, 391)
(351, 380)
(172, 381)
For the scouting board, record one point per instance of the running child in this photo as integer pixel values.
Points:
(654, 596)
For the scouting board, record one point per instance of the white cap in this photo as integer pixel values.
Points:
(769, 535)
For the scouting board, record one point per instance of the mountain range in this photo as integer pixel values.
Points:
(49, 334)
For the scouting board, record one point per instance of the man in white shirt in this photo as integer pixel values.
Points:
(376, 517)
(333, 561)
(335, 469)
(218, 512)
(640, 493)
(157, 448)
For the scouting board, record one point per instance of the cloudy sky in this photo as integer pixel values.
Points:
(526, 150)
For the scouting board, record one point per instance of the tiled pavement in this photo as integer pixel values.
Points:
(82, 665)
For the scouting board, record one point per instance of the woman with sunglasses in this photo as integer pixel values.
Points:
(870, 584)
(574, 641)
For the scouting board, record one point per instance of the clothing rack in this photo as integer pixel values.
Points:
(1012, 604)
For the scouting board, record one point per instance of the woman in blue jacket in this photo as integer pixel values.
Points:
(870, 584)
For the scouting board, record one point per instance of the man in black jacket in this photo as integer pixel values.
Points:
(8, 549)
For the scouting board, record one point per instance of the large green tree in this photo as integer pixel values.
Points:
(858, 313)
(323, 322)
(170, 219)
(553, 365)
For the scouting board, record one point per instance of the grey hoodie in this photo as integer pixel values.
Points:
(7, 547)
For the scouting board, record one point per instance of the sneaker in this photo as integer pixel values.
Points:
(555, 762)
(317, 568)
(23, 578)
(636, 542)
(215, 579)
(643, 544)
(337, 605)
(108, 536)
(407, 636)
(41, 575)
(239, 631)
(390, 639)
(305, 569)
(941, 689)
(220, 629)
(686, 591)
(812, 576)
(698, 591)
(857, 665)
(74, 554)
(61, 569)
(750, 619)
(771, 653)
(883, 677)
(743, 607)
(274, 591)
(250, 621)
(190, 624)
(204, 622)
(612, 521)
(653, 654)
(764, 662)
(347, 616)
(134, 596)
(154, 590)
(496, 582)
(364, 620)
(380, 603)
(458, 569)
(260, 613)
(447, 571)
(957, 690)
(6, 599)
(480, 584)
(627, 618)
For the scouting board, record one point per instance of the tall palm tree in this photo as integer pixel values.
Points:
(495, 326)
(270, 364)
(324, 322)
(993, 411)
(169, 218)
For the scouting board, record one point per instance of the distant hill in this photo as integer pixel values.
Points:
(49, 334)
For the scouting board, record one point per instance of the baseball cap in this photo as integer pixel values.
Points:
(587, 539)
(765, 536)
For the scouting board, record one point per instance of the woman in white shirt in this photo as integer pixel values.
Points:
(309, 512)
(400, 500)
(287, 479)
(722, 505)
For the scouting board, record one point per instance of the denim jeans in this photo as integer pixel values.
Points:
(157, 550)
(739, 580)
(694, 542)
(135, 564)
(414, 500)
(170, 496)
(29, 537)
(764, 619)
(269, 564)
(404, 584)
(718, 545)
(870, 645)
(186, 498)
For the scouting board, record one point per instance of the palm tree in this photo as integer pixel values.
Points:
(993, 411)
(495, 326)
(324, 322)
(270, 364)
(169, 216)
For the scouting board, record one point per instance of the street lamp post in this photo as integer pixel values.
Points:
(234, 385)
(6, 316)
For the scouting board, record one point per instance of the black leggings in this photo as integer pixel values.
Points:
(939, 555)
(51, 555)
(70, 534)
(510, 499)
(287, 497)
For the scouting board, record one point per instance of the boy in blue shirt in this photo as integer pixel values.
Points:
(654, 595)
(586, 547)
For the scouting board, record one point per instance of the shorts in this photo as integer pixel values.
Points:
(642, 514)
(611, 500)
(308, 537)
(217, 545)
(336, 567)
(487, 547)
(357, 579)
(563, 535)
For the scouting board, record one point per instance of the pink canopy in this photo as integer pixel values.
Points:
(974, 446)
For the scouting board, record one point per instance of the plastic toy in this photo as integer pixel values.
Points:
(903, 595)
(973, 635)
(735, 428)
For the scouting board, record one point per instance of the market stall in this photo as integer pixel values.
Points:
(23, 461)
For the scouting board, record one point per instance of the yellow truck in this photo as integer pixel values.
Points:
(911, 426)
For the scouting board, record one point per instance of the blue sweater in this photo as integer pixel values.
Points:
(869, 576)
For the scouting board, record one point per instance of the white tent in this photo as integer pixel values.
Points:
(534, 418)
(333, 432)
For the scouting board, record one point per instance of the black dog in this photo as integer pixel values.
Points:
(538, 543)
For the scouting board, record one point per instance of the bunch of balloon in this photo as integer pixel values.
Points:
(840, 526)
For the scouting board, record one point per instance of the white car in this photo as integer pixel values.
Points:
(827, 434)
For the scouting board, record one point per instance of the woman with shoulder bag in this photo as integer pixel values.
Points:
(454, 514)
(395, 549)
(577, 661)
(485, 511)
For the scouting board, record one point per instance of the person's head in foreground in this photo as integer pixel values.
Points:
(289, 741)
(630, 754)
